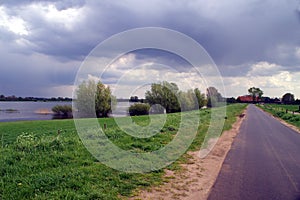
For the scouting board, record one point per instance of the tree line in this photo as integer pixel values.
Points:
(162, 97)
(15, 98)
(257, 97)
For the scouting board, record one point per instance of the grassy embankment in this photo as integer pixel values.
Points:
(284, 112)
(38, 163)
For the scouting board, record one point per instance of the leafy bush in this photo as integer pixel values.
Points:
(291, 117)
(287, 116)
(279, 114)
(295, 118)
(139, 109)
(25, 140)
(64, 110)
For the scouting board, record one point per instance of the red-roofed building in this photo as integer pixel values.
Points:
(247, 99)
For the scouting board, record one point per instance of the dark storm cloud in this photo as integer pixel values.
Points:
(164, 58)
(235, 33)
(250, 33)
(32, 75)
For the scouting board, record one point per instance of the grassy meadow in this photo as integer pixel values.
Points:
(279, 110)
(47, 160)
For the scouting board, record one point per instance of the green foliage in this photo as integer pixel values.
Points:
(289, 113)
(284, 107)
(200, 98)
(288, 98)
(214, 98)
(62, 110)
(255, 93)
(188, 100)
(172, 99)
(279, 113)
(103, 100)
(164, 94)
(94, 99)
(139, 109)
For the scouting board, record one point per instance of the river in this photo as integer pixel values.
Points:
(28, 110)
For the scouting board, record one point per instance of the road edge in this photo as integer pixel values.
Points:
(235, 130)
(295, 128)
(197, 176)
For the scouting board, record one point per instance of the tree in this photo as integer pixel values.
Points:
(256, 93)
(164, 94)
(288, 98)
(231, 100)
(200, 98)
(188, 100)
(94, 98)
(134, 99)
(103, 100)
(213, 97)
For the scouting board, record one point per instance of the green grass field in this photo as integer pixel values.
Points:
(38, 163)
(283, 107)
(279, 110)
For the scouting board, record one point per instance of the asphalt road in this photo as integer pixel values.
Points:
(263, 163)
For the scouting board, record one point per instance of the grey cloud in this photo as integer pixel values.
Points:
(235, 33)
(60, 4)
(26, 75)
(247, 35)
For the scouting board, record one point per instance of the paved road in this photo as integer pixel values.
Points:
(264, 162)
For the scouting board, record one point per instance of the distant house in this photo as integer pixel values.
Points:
(247, 99)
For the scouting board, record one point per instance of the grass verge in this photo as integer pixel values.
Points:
(284, 112)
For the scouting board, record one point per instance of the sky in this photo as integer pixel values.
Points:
(43, 44)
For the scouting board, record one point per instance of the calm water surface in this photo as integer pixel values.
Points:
(23, 111)
(20, 111)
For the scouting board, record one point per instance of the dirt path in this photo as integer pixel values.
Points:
(198, 175)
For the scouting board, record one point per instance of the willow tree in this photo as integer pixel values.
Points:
(214, 98)
(164, 94)
(200, 98)
(94, 98)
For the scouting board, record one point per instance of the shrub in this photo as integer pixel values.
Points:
(295, 118)
(139, 109)
(287, 116)
(64, 110)
(279, 113)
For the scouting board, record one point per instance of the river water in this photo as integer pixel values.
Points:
(19, 111)
(24, 111)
